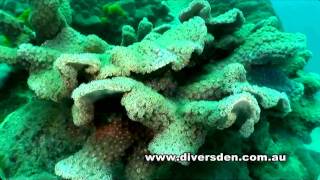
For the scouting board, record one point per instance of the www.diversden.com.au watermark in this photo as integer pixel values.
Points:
(188, 157)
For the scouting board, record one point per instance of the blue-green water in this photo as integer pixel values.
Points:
(302, 16)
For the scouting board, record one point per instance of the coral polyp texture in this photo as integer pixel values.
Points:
(90, 87)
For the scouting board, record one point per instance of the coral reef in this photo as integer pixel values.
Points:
(111, 15)
(93, 86)
(106, 147)
(49, 17)
(29, 151)
(14, 29)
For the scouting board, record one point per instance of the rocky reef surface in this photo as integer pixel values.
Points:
(89, 87)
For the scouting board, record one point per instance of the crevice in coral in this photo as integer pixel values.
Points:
(107, 106)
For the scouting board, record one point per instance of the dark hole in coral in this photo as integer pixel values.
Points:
(83, 77)
(17, 78)
(281, 107)
(9, 98)
(243, 113)
(224, 29)
(36, 42)
(160, 80)
(187, 74)
(104, 31)
(197, 65)
(107, 106)
(150, 76)
(196, 62)
(218, 53)
(142, 133)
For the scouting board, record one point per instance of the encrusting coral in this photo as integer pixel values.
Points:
(105, 148)
(48, 17)
(111, 15)
(222, 79)
(14, 29)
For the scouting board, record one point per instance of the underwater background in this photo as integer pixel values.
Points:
(88, 87)
(307, 12)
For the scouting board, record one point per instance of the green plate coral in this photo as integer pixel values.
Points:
(206, 77)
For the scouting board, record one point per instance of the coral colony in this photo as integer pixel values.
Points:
(93, 86)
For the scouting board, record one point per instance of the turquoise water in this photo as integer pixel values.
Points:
(302, 16)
